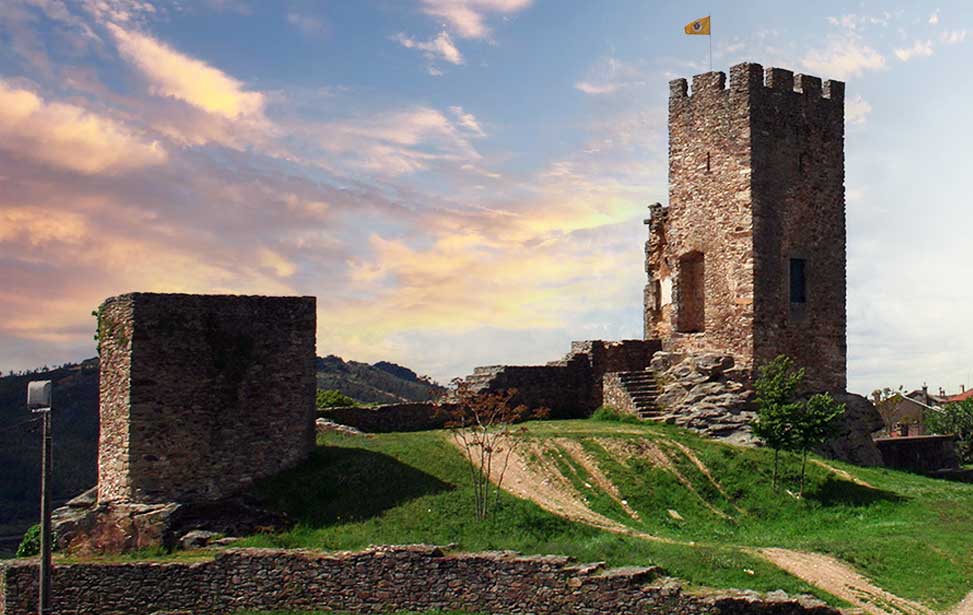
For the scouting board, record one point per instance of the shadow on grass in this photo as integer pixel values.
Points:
(339, 484)
(840, 492)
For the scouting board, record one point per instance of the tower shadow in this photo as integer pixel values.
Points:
(340, 484)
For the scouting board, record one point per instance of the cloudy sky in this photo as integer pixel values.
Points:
(459, 182)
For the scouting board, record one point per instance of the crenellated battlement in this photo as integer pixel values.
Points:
(751, 78)
(748, 259)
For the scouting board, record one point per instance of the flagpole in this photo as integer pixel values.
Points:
(710, 37)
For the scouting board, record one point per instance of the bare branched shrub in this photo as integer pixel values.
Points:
(484, 426)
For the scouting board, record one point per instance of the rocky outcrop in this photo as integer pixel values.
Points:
(854, 442)
(706, 393)
(88, 527)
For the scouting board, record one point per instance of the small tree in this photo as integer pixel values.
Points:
(776, 398)
(483, 425)
(786, 422)
(30, 545)
(956, 419)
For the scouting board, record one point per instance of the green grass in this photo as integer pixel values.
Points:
(908, 533)
(413, 488)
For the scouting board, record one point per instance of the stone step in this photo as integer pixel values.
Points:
(627, 379)
(642, 391)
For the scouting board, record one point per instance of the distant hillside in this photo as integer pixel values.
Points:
(76, 425)
(381, 383)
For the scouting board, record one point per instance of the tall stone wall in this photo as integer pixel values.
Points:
(381, 580)
(799, 212)
(202, 394)
(756, 176)
(570, 387)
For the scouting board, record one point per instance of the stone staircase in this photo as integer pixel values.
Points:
(642, 391)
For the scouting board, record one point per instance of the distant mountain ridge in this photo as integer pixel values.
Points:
(379, 383)
(76, 425)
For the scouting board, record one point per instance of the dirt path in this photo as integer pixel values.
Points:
(841, 580)
(533, 476)
(586, 461)
(965, 607)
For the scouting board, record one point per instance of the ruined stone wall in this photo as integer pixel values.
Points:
(799, 212)
(413, 416)
(614, 394)
(564, 389)
(572, 386)
(202, 394)
(756, 176)
(381, 580)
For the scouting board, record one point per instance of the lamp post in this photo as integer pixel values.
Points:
(39, 401)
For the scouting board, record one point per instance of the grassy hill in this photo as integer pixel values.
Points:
(76, 428)
(604, 491)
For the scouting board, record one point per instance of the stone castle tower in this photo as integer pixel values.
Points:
(749, 256)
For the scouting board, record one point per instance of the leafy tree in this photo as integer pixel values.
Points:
(957, 419)
(776, 398)
(785, 421)
(30, 545)
(331, 398)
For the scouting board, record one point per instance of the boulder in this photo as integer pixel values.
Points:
(853, 442)
(197, 539)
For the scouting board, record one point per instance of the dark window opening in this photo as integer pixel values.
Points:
(802, 163)
(691, 316)
(798, 280)
(707, 162)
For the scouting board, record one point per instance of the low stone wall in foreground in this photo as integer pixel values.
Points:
(379, 580)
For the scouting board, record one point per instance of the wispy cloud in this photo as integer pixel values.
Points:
(171, 73)
(608, 76)
(934, 18)
(951, 37)
(395, 143)
(69, 136)
(439, 48)
(857, 22)
(857, 110)
(308, 25)
(468, 17)
(843, 58)
(919, 49)
(595, 88)
(467, 120)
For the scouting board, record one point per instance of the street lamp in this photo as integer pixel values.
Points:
(39, 401)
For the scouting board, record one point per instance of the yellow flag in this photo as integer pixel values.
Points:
(700, 26)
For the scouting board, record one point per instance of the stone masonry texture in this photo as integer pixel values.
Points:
(202, 394)
(379, 580)
(570, 387)
(756, 179)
